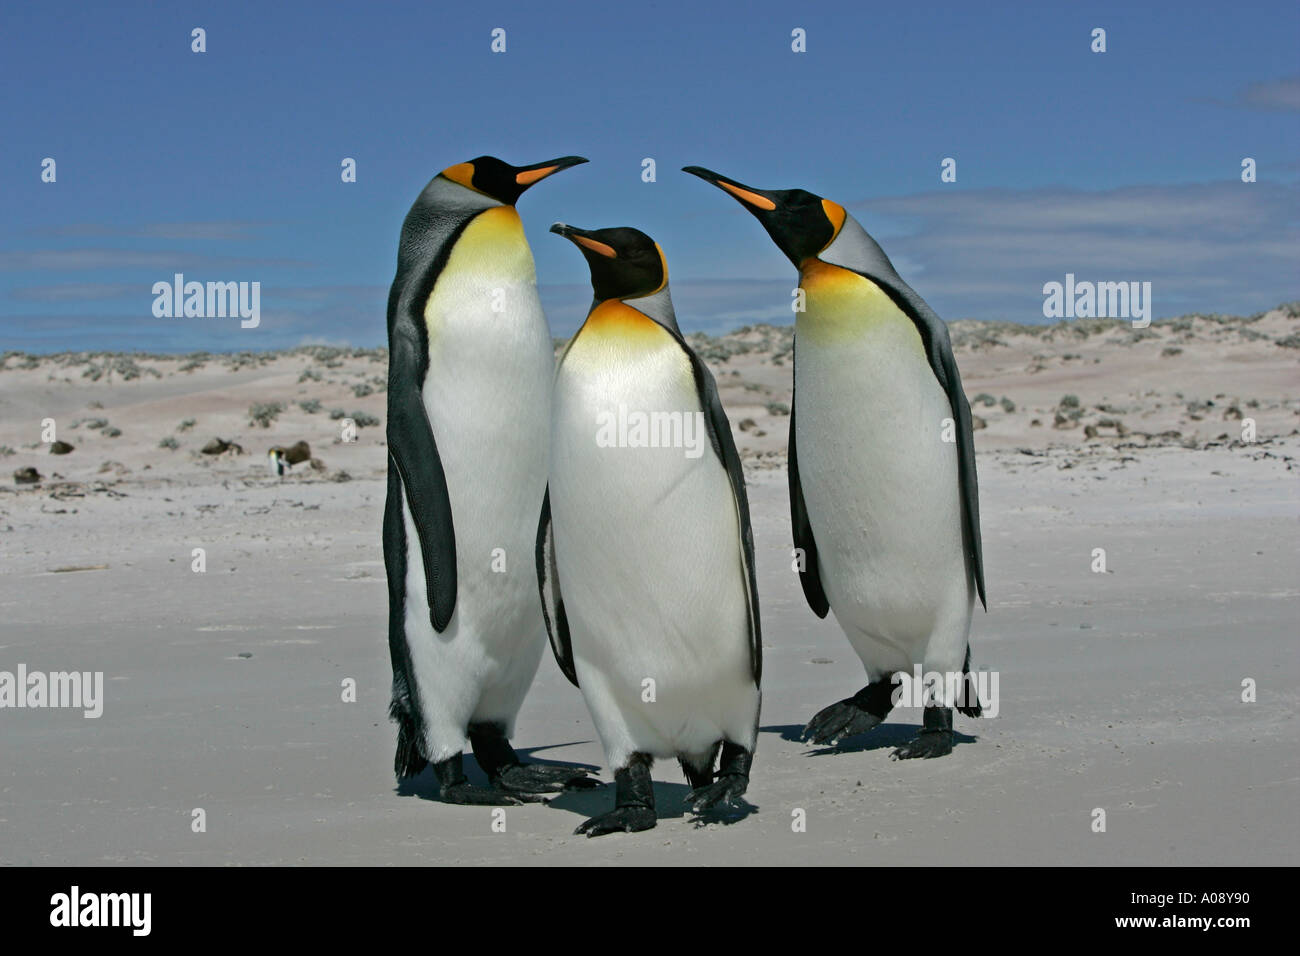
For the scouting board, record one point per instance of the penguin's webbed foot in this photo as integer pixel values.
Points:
(934, 740)
(928, 743)
(499, 761)
(634, 806)
(631, 819)
(453, 787)
(853, 715)
(544, 778)
(463, 794)
(841, 719)
(723, 793)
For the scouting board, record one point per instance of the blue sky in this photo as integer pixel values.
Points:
(225, 165)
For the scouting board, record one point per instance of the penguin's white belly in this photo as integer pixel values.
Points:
(879, 482)
(487, 397)
(648, 556)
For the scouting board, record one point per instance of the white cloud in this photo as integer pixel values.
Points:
(1273, 95)
(1226, 247)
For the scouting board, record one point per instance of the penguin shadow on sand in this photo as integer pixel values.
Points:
(670, 804)
(670, 798)
(882, 737)
(425, 784)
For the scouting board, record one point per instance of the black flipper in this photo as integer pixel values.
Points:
(810, 577)
(725, 447)
(429, 232)
(658, 307)
(548, 583)
(858, 252)
(415, 454)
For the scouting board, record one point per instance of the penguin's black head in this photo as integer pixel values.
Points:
(501, 181)
(625, 263)
(800, 223)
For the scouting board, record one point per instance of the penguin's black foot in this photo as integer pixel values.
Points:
(634, 806)
(455, 788)
(504, 768)
(842, 719)
(928, 743)
(544, 778)
(463, 794)
(721, 794)
(732, 781)
(619, 820)
(853, 715)
(935, 738)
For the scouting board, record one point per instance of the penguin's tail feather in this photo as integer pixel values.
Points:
(408, 761)
(971, 706)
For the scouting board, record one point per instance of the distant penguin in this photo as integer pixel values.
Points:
(645, 557)
(883, 497)
(281, 459)
(469, 384)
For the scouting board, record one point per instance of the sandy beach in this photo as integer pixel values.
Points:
(1173, 448)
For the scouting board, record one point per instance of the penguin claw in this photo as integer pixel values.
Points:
(544, 778)
(926, 744)
(725, 792)
(841, 719)
(465, 795)
(618, 820)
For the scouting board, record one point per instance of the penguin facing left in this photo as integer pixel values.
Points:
(280, 459)
(645, 556)
(884, 502)
(469, 381)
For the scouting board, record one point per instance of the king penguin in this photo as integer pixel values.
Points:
(469, 381)
(645, 556)
(883, 497)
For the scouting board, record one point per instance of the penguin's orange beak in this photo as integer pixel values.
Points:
(527, 175)
(582, 238)
(751, 197)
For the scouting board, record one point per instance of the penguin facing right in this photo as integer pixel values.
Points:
(469, 382)
(883, 495)
(645, 556)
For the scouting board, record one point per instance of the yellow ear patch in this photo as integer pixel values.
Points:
(529, 176)
(663, 265)
(754, 199)
(595, 246)
(836, 214)
(462, 173)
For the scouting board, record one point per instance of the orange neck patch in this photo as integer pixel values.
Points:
(815, 275)
(616, 317)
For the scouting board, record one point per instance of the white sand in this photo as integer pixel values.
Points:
(1120, 690)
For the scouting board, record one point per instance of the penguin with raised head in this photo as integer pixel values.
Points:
(645, 556)
(883, 497)
(469, 384)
